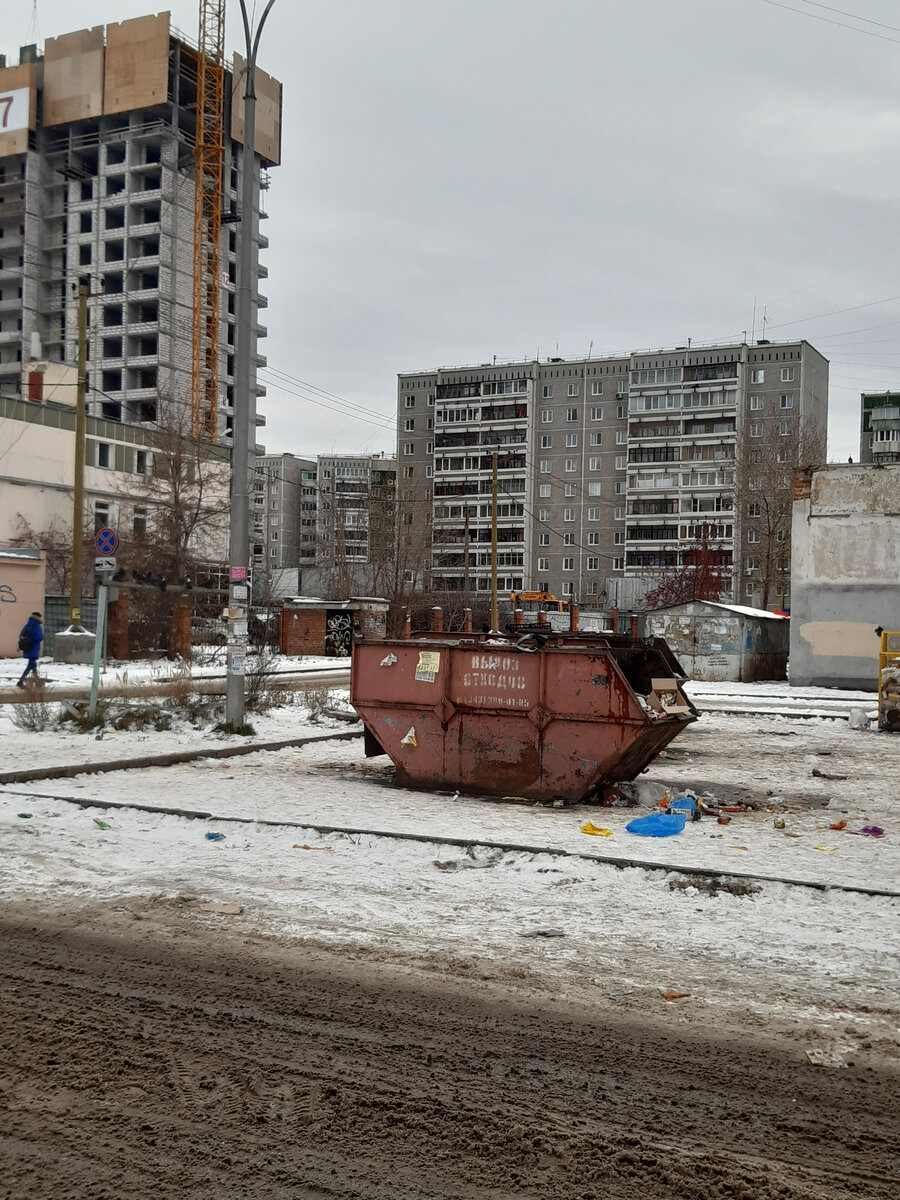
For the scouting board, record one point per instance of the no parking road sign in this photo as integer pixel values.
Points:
(106, 541)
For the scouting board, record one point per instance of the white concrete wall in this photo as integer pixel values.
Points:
(845, 573)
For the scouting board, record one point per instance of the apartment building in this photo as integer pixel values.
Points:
(279, 503)
(607, 466)
(97, 183)
(879, 431)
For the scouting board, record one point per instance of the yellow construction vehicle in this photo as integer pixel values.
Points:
(538, 602)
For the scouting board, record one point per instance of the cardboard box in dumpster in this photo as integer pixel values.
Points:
(666, 697)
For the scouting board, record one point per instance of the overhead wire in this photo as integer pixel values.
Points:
(829, 21)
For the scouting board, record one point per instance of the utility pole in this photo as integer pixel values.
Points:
(495, 620)
(239, 536)
(80, 423)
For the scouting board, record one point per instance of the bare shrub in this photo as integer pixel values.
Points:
(34, 716)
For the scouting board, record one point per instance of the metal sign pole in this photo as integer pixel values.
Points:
(103, 593)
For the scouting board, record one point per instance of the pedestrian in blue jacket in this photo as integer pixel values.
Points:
(30, 640)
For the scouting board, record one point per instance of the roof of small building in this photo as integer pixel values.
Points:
(742, 609)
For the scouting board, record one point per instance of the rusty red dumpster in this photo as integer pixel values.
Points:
(547, 717)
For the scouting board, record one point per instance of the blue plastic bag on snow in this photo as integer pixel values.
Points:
(658, 824)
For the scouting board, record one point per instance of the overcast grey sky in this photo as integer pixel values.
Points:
(502, 177)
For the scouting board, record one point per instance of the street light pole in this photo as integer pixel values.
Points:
(239, 534)
(78, 498)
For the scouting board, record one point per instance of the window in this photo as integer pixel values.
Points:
(571, 414)
(569, 489)
(752, 535)
(752, 562)
(101, 515)
(568, 564)
(595, 464)
(572, 389)
(593, 539)
(619, 487)
(547, 415)
(596, 389)
(139, 522)
(409, 448)
(618, 564)
(140, 462)
(621, 411)
(568, 539)
(756, 429)
(568, 514)
(431, 399)
(784, 428)
(592, 587)
(619, 538)
(543, 540)
(409, 472)
(430, 423)
(568, 588)
(571, 440)
(621, 387)
(103, 455)
(749, 590)
(596, 439)
(429, 471)
(410, 402)
(787, 374)
(787, 400)
(429, 447)
(571, 464)
(779, 536)
(544, 491)
(756, 403)
(544, 515)
(544, 466)
(596, 413)
(758, 376)
(543, 564)
(593, 564)
(753, 510)
(621, 462)
(594, 514)
(619, 514)
(546, 441)
(621, 437)
(547, 391)
(409, 424)
(594, 489)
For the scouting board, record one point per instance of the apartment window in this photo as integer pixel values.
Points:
(784, 428)
(752, 562)
(543, 540)
(752, 535)
(622, 387)
(409, 424)
(84, 255)
(544, 515)
(101, 515)
(571, 464)
(758, 376)
(429, 447)
(431, 399)
(409, 472)
(749, 590)
(568, 564)
(544, 491)
(619, 514)
(568, 587)
(592, 587)
(594, 514)
(595, 464)
(568, 539)
(787, 374)
(779, 536)
(429, 470)
(787, 400)
(619, 538)
(543, 564)
(756, 403)
(756, 429)
(571, 414)
(547, 391)
(430, 423)
(410, 402)
(596, 388)
(621, 411)
(619, 487)
(621, 437)
(618, 564)
(543, 585)
(597, 413)
(544, 466)
(546, 441)
(593, 564)
(140, 462)
(569, 489)
(568, 514)
(594, 489)
(596, 439)
(621, 462)
(409, 448)
(547, 416)
(571, 440)
(103, 455)
(572, 389)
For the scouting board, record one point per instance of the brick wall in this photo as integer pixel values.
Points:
(302, 631)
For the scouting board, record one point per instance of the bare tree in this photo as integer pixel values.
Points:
(764, 499)
(703, 572)
(56, 542)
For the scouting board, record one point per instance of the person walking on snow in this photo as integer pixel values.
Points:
(30, 642)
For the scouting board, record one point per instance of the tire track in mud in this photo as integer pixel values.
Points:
(143, 1062)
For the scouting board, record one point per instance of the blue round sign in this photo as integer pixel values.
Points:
(107, 541)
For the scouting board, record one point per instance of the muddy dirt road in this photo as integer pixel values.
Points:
(144, 1057)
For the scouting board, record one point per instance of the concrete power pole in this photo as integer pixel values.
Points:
(78, 500)
(239, 536)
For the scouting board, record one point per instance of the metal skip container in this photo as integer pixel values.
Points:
(547, 718)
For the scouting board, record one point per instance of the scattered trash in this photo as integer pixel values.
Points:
(388, 660)
(872, 831)
(542, 933)
(100, 824)
(838, 825)
(778, 822)
(826, 849)
(619, 995)
(595, 830)
(858, 718)
(25, 816)
(824, 775)
(658, 824)
(737, 847)
(722, 820)
(686, 804)
(215, 837)
(410, 739)
(227, 910)
(712, 887)
(297, 846)
(671, 994)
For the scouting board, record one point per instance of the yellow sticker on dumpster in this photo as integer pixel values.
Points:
(428, 666)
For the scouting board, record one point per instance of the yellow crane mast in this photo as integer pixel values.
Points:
(208, 152)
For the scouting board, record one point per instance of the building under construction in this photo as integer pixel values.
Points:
(120, 165)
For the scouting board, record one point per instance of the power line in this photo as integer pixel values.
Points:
(834, 312)
(828, 21)
(853, 16)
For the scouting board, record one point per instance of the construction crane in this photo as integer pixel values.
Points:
(208, 152)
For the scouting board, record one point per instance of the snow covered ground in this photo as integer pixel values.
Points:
(826, 958)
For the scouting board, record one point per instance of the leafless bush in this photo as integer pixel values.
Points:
(262, 689)
(34, 716)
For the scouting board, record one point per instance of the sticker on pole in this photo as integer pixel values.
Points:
(106, 541)
(428, 666)
(237, 573)
(236, 660)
